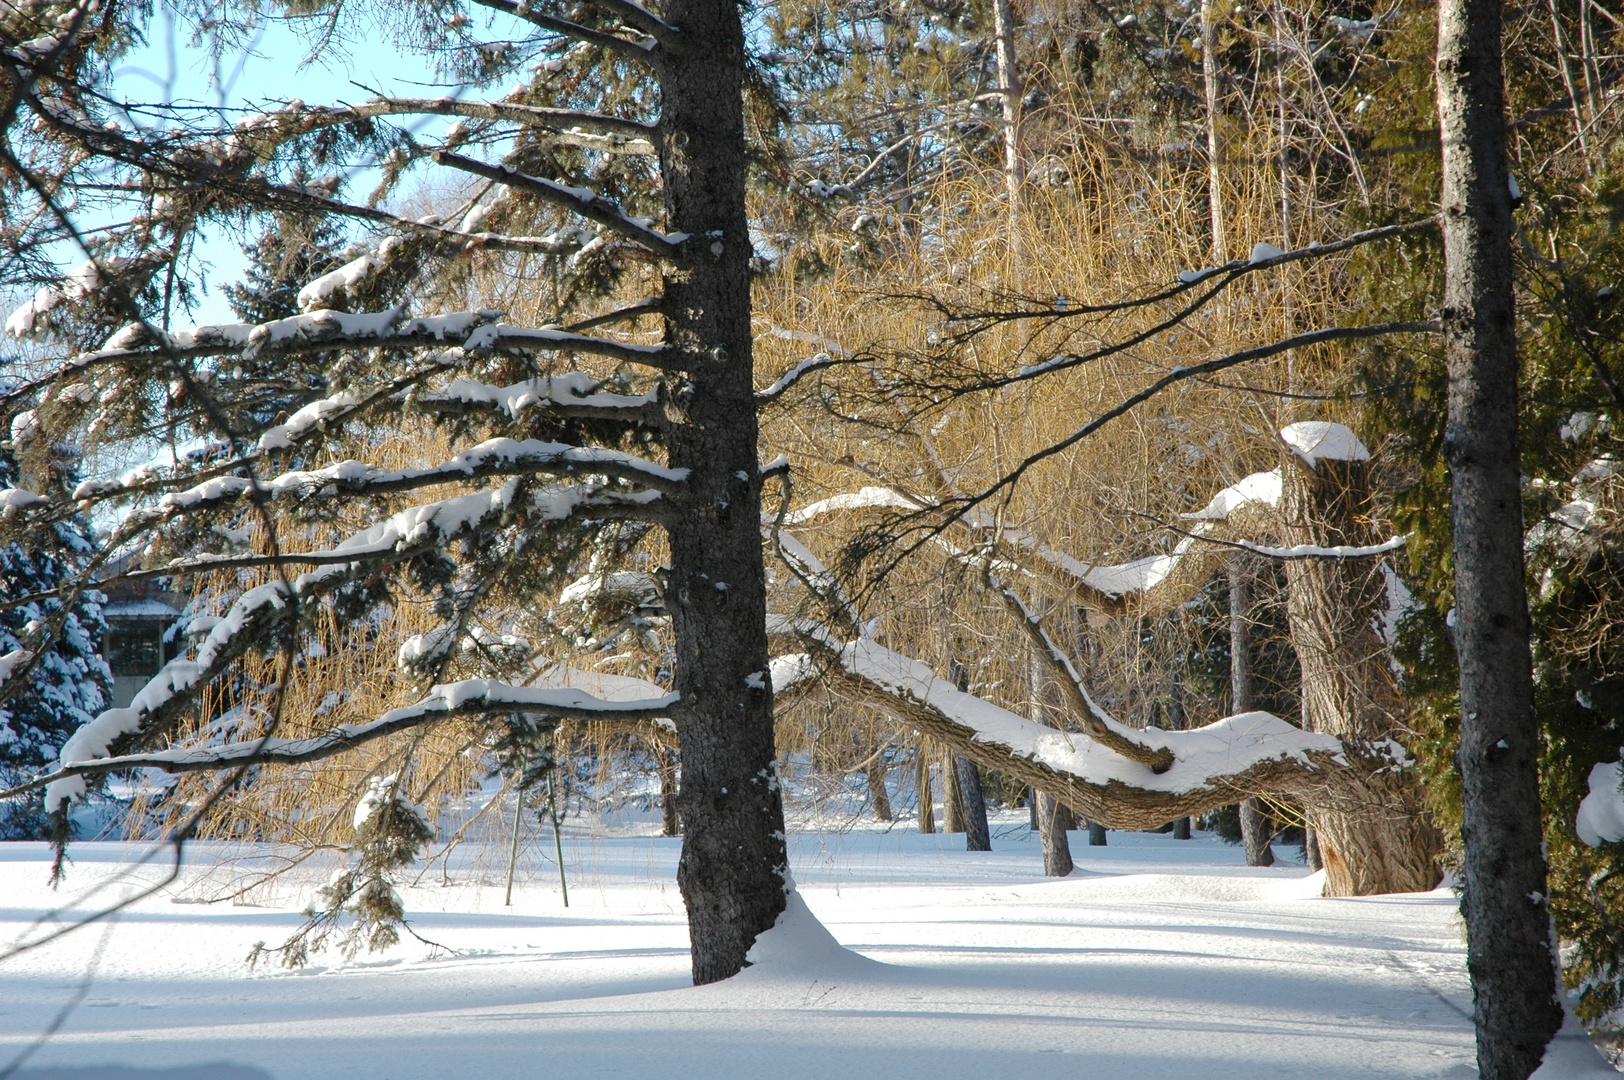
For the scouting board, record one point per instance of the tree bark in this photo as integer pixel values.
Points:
(1009, 94)
(1215, 146)
(972, 805)
(1509, 951)
(733, 868)
(1054, 823)
(1181, 829)
(1096, 834)
(1374, 832)
(670, 823)
(952, 796)
(1255, 831)
(927, 812)
(878, 797)
(1054, 818)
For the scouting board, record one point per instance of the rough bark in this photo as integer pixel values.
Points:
(1374, 833)
(670, 822)
(1508, 923)
(1255, 830)
(952, 796)
(1053, 819)
(972, 805)
(733, 857)
(878, 798)
(1054, 824)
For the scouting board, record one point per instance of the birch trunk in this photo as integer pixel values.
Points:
(1009, 94)
(1509, 951)
(1215, 147)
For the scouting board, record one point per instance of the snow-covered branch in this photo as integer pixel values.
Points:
(1098, 724)
(573, 394)
(495, 457)
(1251, 753)
(322, 330)
(470, 697)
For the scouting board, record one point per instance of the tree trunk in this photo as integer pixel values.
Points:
(1054, 819)
(732, 872)
(1215, 147)
(670, 823)
(927, 815)
(1054, 822)
(878, 797)
(1509, 951)
(1096, 834)
(1374, 832)
(1181, 829)
(1255, 830)
(952, 796)
(1311, 851)
(1009, 95)
(972, 805)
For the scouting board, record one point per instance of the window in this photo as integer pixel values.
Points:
(134, 648)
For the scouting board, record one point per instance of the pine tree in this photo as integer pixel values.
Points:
(69, 682)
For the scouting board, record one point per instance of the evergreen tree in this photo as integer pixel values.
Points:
(69, 682)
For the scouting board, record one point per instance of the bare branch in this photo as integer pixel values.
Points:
(588, 204)
(631, 50)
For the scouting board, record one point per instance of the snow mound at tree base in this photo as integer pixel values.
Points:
(1571, 1055)
(799, 945)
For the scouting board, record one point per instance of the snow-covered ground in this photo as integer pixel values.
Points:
(1157, 958)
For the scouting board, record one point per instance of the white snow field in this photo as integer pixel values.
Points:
(1157, 958)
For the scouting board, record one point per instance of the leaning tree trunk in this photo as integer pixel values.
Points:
(1508, 921)
(1373, 831)
(732, 872)
(1255, 829)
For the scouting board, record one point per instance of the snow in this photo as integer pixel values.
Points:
(282, 436)
(1319, 440)
(1262, 252)
(1262, 488)
(1601, 814)
(1157, 958)
(11, 661)
(348, 276)
(17, 499)
(1571, 1055)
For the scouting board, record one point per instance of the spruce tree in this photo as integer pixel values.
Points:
(69, 682)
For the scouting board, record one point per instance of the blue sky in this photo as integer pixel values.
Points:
(171, 67)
